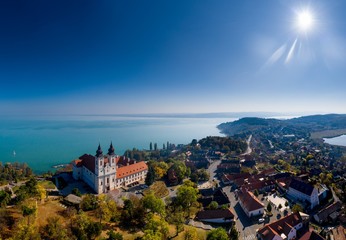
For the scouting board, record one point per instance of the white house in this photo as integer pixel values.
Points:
(251, 205)
(303, 192)
(107, 172)
(283, 229)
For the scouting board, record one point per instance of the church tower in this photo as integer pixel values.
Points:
(111, 156)
(99, 161)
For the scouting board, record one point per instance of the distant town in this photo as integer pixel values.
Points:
(266, 180)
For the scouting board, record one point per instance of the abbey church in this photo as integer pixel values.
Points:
(107, 172)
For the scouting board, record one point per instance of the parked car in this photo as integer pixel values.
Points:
(261, 220)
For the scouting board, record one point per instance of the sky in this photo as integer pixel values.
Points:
(183, 56)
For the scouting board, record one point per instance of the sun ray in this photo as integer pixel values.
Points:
(290, 53)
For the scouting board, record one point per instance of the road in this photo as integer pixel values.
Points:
(249, 149)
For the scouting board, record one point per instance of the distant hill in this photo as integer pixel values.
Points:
(308, 124)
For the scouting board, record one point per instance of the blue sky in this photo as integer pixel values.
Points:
(111, 57)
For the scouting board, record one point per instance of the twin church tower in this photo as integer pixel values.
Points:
(104, 173)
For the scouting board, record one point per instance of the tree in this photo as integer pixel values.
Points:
(286, 204)
(256, 193)
(27, 211)
(186, 196)
(89, 202)
(191, 234)
(213, 205)
(153, 204)
(150, 178)
(217, 234)
(54, 230)
(114, 236)
(269, 207)
(297, 208)
(76, 192)
(5, 198)
(280, 206)
(233, 234)
(157, 225)
(107, 208)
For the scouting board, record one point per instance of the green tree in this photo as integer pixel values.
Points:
(27, 211)
(286, 204)
(213, 205)
(280, 206)
(297, 208)
(151, 235)
(150, 178)
(107, 208)
(256, 193)
(89, 202)
(191, 234)
(157, 225)
(269, 207)
(76, 192)
(233, 234)
(153, 204)
(5, 198)
(186, 196)
(217, 234)
(54, 230)
(114, 236)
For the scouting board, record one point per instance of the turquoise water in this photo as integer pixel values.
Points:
(47, 141)
(340, 141)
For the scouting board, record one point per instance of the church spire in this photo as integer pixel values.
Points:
(111, 149)
(99, 151)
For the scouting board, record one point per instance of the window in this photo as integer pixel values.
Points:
(101, 183)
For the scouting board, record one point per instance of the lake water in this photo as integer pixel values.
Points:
(340, 141)
(47, 141)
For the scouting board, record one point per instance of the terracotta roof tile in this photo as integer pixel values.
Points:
(131, 169)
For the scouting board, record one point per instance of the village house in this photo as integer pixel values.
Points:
(282, 229)
(107, 172)
(250, 204)
(215, 216)
(329, 213)
(303, 192)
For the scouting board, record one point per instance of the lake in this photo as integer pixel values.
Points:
(46, 141)
(340, 141)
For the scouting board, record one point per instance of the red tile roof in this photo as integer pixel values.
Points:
(250, 201)
(283, 225)
(131, 169)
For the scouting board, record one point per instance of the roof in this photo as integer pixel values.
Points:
(301, 186)
(279, 227)
(77, 163)
(73, 199)
(88, 161)
(325, 212)
(339, 233)
(311, 236)
(250, 201)
(131, 169)
(209, 195)
(214, 214)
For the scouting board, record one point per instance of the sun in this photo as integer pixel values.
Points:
(304, 21)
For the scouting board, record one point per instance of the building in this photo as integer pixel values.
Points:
(282, 229)
(303, 192)
(329, 213)
(250, 204)
(107, 172)
(216, 216)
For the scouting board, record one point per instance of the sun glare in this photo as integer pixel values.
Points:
(305, 21)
